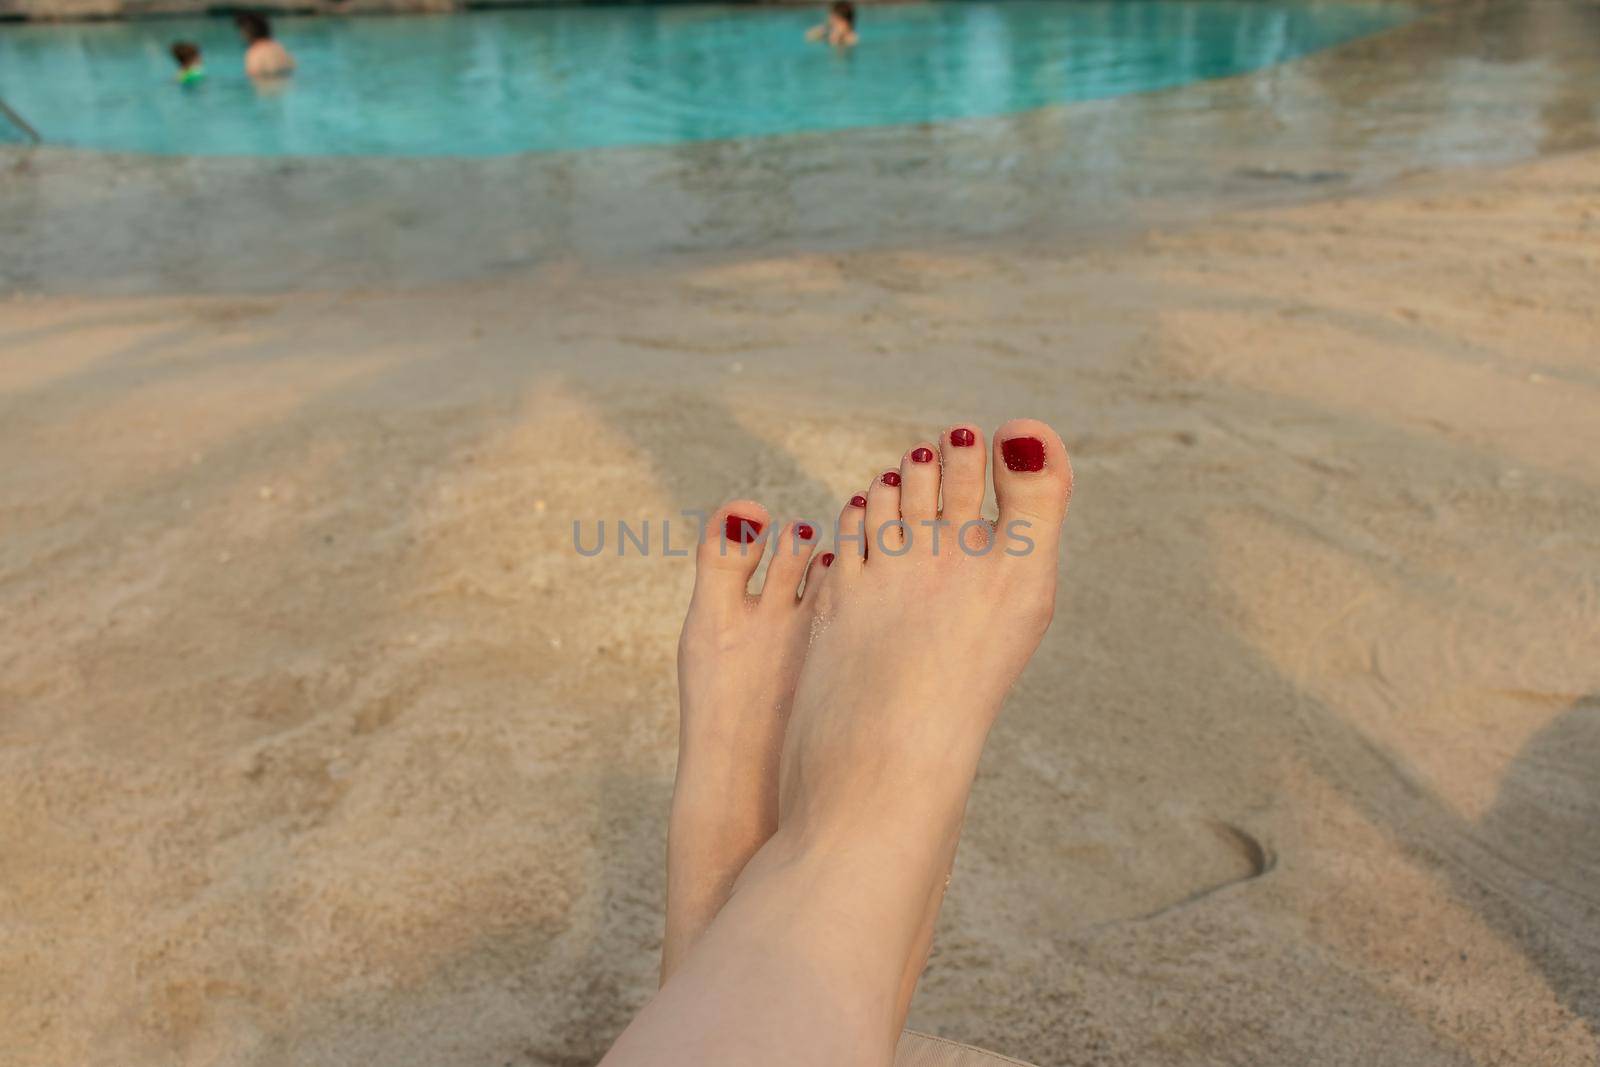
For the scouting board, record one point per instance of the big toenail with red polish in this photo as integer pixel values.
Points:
(858, 501)
(891, 477)
(827, 559)
(922, 455)
(805, 531)
(741, 530)
(1023, 454)
(963, 438)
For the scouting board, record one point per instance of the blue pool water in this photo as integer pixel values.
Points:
(493, 83)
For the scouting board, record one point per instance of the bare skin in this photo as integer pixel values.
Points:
(835, 31)
(807, 961)
(739, 658)
(267, 58)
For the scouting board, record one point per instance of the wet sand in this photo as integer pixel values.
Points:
(319, 744)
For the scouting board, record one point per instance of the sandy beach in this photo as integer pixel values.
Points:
(319, 743)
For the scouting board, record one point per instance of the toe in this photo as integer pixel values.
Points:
(730, 549)
(790, 553)
(885, 533)
(962, 462)
(919, 494)
(1032, 484)
(850, 537)
(816, 578)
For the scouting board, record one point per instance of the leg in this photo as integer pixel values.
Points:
(807, 962)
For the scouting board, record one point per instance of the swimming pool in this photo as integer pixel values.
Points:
(496, 83)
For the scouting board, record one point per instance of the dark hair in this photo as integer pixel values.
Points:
(185, 52)
(253, 24)
(845, 10)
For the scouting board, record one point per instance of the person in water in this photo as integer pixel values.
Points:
(840, 28)
(263, 56)
(830, 729)
(190, 67)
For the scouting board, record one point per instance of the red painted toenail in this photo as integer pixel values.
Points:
(1023, 454)
(963, 438)
(827, 559)
(891, 477)
(858, 501)
(805, 531)
(741, 530)
(922, 455)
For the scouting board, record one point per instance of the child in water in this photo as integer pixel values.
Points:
(840, 29)
(190, 68)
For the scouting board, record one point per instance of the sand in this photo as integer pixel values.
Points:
(319, 744)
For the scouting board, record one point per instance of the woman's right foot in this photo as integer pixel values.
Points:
(931, 616)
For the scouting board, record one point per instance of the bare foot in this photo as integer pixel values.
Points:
(926, 622)
(918, 639)
(738, 660)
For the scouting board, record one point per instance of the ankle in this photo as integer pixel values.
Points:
(870, 892)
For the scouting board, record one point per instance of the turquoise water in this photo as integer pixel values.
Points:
(493, 83)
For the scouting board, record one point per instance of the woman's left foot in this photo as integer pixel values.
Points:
(738, 660)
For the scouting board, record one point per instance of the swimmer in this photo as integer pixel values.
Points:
(190, 67)
(840, 29)
(263, 57)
